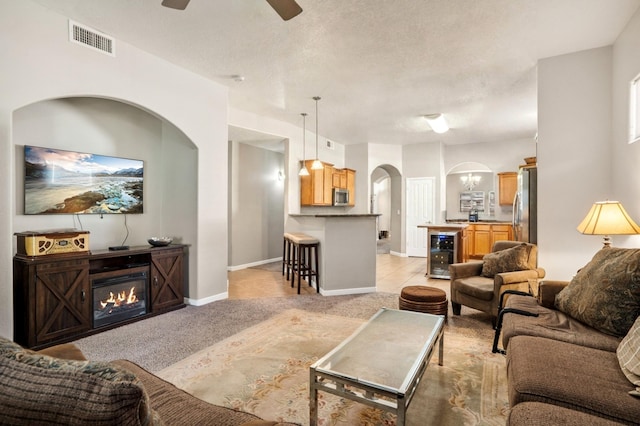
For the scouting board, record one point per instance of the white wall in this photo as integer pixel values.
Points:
(39, 63)
(574, 155)
(625, 156)
(256, 212)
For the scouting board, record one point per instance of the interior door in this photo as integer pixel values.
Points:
(420, 211)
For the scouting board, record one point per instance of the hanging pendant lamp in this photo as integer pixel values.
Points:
(317, 164)
(303, 171)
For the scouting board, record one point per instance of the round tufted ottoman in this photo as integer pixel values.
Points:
(420, 298)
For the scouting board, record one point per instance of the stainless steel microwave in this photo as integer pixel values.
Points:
(340, 197)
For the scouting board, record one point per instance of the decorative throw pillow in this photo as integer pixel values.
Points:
(605, 294)
(629, 356)
(508, 260)
(36, 388)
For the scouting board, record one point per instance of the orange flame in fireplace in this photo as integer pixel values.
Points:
(120, 299)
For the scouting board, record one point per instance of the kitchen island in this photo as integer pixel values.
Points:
(347, 261)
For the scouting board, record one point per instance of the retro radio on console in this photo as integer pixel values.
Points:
(55, 241)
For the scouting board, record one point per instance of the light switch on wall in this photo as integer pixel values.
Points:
(398, 212)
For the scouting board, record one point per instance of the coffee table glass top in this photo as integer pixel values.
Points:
(386, 352)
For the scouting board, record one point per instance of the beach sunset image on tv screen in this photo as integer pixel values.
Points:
(68, 182)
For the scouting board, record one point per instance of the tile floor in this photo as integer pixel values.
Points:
(392, 274)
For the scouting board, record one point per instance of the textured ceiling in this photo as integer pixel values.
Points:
(379, 65)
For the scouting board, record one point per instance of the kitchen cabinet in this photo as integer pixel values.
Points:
(317, 188)
(507, 187)
(351, 186)
(339, 179)
(481, 237)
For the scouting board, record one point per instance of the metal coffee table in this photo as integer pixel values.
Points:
(381, 363)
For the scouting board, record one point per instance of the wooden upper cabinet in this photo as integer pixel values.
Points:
(317, 188)
(339, 178)
(351, 186)
(507, 187)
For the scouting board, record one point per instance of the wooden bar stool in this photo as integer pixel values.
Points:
(287, 254)
(303, 255)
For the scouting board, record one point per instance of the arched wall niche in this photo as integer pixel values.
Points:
(455, 186)
(113, 127)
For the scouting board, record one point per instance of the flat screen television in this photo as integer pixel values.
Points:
(67, 182)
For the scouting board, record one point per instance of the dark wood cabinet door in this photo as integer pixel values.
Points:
(167, 282)
(62, 300)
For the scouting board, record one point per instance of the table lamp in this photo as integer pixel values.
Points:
(608, 218)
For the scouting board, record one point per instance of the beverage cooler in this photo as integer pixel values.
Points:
(443, 251)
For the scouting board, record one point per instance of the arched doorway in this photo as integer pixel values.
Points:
(386, 198)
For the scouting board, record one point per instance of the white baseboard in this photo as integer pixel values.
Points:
(206, 300)
(361, 290)
(395, 253)
(249, 265)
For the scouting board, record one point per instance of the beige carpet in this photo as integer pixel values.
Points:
(265, 370)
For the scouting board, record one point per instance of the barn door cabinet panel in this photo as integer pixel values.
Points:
(166, 286)
(51, 300)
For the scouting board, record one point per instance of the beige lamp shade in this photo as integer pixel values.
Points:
(608, 218)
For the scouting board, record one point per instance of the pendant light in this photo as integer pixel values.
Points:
(303, 171)
(317, 164)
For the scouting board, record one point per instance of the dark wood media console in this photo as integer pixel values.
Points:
(53, 299)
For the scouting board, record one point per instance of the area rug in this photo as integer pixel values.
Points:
(265, 370)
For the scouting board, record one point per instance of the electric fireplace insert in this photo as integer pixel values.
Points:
(120, 297)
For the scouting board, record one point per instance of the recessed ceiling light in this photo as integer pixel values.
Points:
(437, 122)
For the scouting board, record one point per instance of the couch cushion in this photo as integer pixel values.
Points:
(477, 287)
(176, 407)
(36, 388)
(552, 324)
(507, 260)
(605, 294)
(570, 376)
(629, 356)
(540, 414)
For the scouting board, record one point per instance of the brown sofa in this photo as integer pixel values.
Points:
(57, 385)
(560, 370)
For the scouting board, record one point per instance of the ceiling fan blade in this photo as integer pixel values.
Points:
(175, 4)
(287, 9)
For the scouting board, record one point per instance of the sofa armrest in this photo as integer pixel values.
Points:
(547, 291)
(64, 351)
(462, 270)
(514, 277)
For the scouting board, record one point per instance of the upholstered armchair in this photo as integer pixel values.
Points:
(478, 285)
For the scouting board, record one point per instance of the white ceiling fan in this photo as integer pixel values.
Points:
(287, 9)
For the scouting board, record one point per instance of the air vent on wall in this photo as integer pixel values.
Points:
(88, 37)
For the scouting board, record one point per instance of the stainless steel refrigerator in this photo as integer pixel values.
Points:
(525, 206)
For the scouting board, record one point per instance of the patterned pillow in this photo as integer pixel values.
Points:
(629, 356)
(508, 260)
(36, 388)
(605, 294)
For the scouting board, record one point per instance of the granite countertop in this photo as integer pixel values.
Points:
(334, 215)
(462, 224)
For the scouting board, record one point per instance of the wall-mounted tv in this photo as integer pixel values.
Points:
(68, 182)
